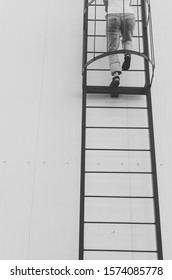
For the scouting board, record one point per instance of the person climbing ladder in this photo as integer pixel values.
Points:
(120, 20)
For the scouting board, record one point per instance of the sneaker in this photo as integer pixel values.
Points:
(115, 82)
(127, 60)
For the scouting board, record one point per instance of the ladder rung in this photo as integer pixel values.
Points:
(117, 172)
(117, 150)
(115, 127)
(104, 36)
(115, 196)
(113, 107)
(122, 251)
(119, 90)
(120, 223)
(96, 52)
(107, 70)
(104, 20)
(102, 5)
(117, 107)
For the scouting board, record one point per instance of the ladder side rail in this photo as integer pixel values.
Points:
(83, 135)
(151, 138)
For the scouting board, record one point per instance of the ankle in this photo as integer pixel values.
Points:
(116, 73)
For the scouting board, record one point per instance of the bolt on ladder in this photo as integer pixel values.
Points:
(119, 204)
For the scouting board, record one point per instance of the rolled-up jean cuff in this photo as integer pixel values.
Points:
(115, 67)
(127, 45)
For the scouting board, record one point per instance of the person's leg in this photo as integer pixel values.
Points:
(127, 28)
(113, 25)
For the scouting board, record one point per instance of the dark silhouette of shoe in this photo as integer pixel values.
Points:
(115, 82)
(127, 61)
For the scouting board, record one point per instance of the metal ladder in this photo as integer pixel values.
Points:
(119, 204)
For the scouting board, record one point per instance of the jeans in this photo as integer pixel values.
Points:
(118, 24)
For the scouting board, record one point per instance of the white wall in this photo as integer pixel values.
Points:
(162, 100)
(40, 120)
(40, 123)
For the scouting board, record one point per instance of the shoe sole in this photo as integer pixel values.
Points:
(114, 84)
